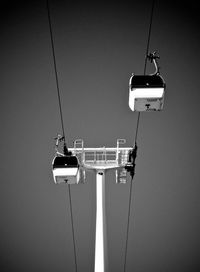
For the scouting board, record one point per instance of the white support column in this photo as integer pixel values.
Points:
(100, 238)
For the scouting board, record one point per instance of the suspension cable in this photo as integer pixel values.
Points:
(62, 124)
(149, 36)
(145, 63)
(73, 235)
(137, 127)
(56, 73)
(136, 134)
(128, 223)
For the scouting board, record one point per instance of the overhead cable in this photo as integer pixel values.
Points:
(63, 130)
(56, 76)
(136, 134)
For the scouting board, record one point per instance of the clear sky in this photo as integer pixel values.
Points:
(98, 46)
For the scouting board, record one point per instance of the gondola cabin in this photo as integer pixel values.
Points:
(66, 169)
(146, 92)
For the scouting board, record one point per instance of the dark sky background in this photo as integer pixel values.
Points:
(98, 45)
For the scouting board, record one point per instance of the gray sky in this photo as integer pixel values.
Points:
(98, 46)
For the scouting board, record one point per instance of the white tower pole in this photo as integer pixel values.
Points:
(101, 159)
(100, 237)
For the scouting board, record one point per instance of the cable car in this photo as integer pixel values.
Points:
(66, 169)
(146, 92)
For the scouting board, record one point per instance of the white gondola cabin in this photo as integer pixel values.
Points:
(66, 169)
(146, 92)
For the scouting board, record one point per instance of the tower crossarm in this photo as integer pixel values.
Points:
(102, 157)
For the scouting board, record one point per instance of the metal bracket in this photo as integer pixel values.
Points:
(152, 57)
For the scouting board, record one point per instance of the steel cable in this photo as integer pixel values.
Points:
(55, 70)
(62, 124)
(136, 134)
